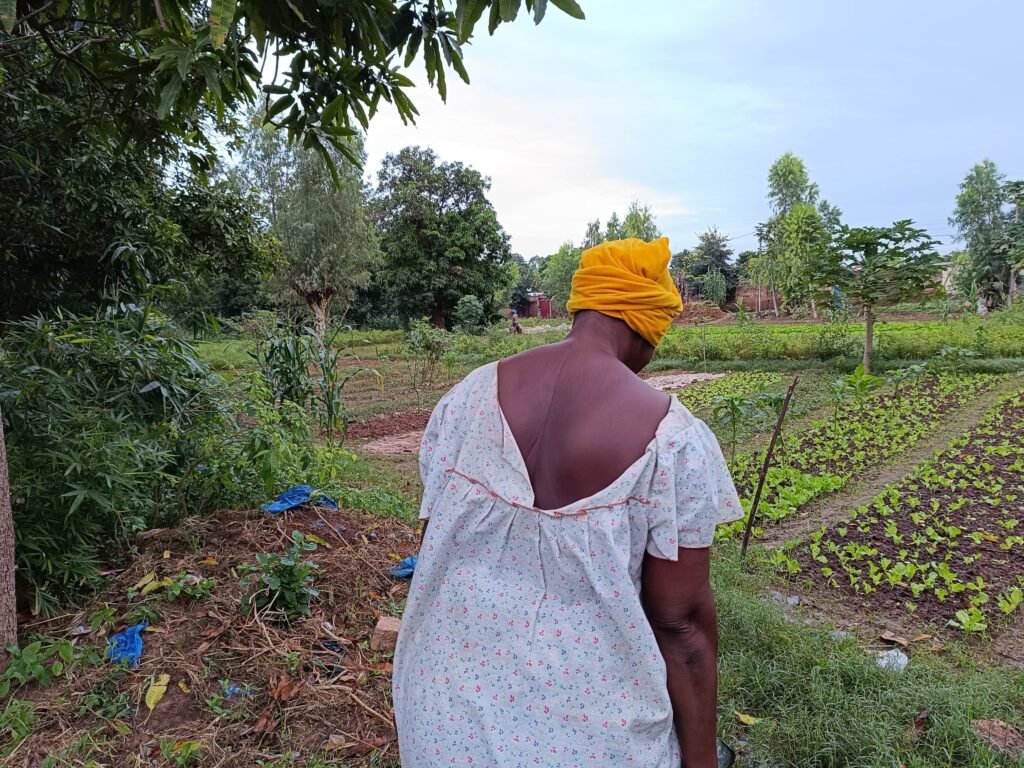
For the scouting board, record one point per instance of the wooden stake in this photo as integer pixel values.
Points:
(764, 468)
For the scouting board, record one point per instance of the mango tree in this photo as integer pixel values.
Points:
(875, 265)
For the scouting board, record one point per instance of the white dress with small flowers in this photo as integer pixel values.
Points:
(524, 642)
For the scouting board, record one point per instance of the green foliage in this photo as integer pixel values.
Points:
(527, 281)
(89, 212)
(285, 362)
(832, 338)
(804, 243)
(328, 243)
(102, 416)
(440, 237)
(38, 662)
(556, 274)
(992, 236)
(729, 411)
(282, 585)
(873, 265)
(426, 347)
(701, 395)
(189, 585)
(181, 754)
(639, 223)
(952, 359)
(714, 286)
(180, 70)
(469, 313)
(17, 719)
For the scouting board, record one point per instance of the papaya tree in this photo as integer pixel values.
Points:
(877, 265)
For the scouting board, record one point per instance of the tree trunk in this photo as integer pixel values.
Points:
(1013, 287)
(437, 318)
(814, 308)
(320, 306)
(8, 603)
(869, 337)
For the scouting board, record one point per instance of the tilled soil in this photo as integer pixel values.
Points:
(390, 424)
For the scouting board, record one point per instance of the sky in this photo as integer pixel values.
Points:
(685, 104)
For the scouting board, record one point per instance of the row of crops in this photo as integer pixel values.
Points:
(865, 426)
(946, 542)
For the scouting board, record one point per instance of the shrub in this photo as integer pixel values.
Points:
(101, 415)
(469, 313)
(426, 346)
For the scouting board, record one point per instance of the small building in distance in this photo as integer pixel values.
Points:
(538, 305)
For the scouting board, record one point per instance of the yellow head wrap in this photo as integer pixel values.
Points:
(628, 279)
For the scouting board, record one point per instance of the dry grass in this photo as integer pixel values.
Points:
(310, 693)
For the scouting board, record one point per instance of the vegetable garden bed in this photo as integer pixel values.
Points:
(825, 457)
(946, 543)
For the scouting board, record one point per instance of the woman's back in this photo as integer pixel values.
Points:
(579, 422)
(524, 638)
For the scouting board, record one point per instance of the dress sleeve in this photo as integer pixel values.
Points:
(693, 495)
(431, 469)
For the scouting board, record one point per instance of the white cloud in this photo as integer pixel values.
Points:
(542, 152)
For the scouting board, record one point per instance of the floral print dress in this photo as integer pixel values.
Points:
(524, 641)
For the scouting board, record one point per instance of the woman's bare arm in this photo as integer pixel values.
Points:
(681, 609)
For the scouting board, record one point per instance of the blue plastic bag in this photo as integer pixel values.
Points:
(126, 646)
(298, 495)
(404, 569)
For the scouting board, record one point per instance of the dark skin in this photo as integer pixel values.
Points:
(581, 417)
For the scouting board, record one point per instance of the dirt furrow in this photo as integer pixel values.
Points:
(860, 490)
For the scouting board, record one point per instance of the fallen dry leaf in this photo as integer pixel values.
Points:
(156, 690)
(917, 727)
(208, 561)
(360, 748)
(920, 638)
(999, 736)
(167, 554)
(747, 719)
(266, 723)
(336, 741)
(153, 586)
(144, 581)
(184, 688)
(212, 632)
(156, 630)
(284, 688)
(891, 637)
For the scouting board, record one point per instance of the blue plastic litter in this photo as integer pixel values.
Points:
(404, 569)
(296, 497)
(126, 646)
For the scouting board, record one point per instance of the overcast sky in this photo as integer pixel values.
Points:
(684, 104)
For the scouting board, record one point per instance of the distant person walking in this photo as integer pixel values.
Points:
(561, 612)
(516, 327)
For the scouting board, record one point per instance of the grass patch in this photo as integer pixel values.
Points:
(826, 704)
